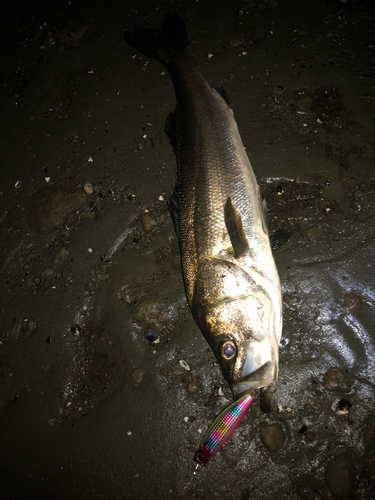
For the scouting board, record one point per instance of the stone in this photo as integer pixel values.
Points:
(149, 223)
(178, 370)
(52, 207)
(104, 266)
(340, 475)
(90, 286)
(150, 312)
(352, 302)
(138, 375)
(273, 437)
(150, 334)
(313, 233)
(335, 380)
(193, 386)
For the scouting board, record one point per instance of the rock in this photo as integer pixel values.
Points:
(357, 194)
(51, 207)
(150, 334)
(352, 302)
(90, 286)
(138, 375)
(105, 265)
(150, 312)
(38, 281)
(335, 380)
(340, 475)
(193, 386)
(178, 370)
(127, 296)
(313, 233)
(68, 411)
(88, 187)
(273, 437)
(149, 223)
(48, 271)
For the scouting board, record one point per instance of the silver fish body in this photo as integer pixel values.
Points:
(231, 280)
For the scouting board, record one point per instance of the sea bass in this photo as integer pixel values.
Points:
(230, 276)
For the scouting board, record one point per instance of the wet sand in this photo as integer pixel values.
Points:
(88, 407)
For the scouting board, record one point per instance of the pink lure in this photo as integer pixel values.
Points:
(222, 428)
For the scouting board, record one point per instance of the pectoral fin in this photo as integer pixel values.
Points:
(235, 229)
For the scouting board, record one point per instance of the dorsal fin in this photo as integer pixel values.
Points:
(235, 229)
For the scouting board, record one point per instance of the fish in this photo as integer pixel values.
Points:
(231, 280)
(221, 429)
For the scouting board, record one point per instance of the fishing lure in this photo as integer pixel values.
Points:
(222, 428)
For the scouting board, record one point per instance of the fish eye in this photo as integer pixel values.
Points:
(228, 350)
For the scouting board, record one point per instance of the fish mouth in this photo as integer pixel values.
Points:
(262, 377)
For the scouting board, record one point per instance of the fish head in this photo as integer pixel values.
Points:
(241, 322)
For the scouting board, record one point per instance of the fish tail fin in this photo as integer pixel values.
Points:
(163, 43)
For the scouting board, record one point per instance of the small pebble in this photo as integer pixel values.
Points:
(335, 380)
(178, 370)
(150, 334)
(352, 302)
(68, 411)
(138, 375)
(105, 265)
(192, 386)
(357, 194)
(273, 437)
(340, 475)
(313, 233)
(149, 223)
(88, 187)
(47, 272)
(38, 281)
(150, 312)
(91, 286)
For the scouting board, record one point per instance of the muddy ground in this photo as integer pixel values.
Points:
(89, 258)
